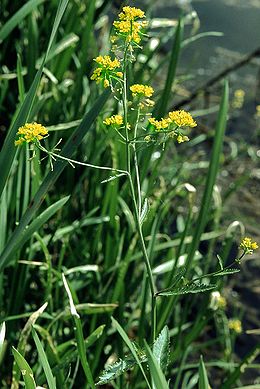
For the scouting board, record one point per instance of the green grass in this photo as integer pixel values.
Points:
(108, 256)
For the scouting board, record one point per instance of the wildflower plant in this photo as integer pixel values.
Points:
(136, 125)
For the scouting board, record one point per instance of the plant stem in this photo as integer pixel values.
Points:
(139, 195)
(137, 207)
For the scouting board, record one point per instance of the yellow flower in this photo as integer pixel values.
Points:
(30, 133)
(182, 138)
(128, 26)
(238, 101)
(182, 119)
(107, 68)
(235, 325)
(116, 120)
(107, 62)
(159, 124)
(248, 246)
(141, 90)
(131, 13)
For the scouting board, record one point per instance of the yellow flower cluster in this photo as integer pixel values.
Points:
(128, 26)
(176, 118)
(141, 90)
(182, 119)
(235, 325)
(248, 246)
(131, 13)
(30, 133)
(159, 124)
(106, 69)
(114, 120)
(179, 118)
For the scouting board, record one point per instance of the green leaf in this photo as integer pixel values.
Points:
(131, 348)
(161, 348)
(25, 10)
(28, 231)
(118, 368)
(8, 150)
(23, 339)
(44, 361)
(25, 369)
(68, 150)
(203, 378)
(190, 288)
(157, 375)
(79, 336)
(226, 272)
(211, 177)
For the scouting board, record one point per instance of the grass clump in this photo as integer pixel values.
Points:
(100, 227)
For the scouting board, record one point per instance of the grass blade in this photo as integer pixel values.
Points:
(234, 375)
(69, 149)
(28, 231)
(8, 151)
(79, 336)
(25, 10)
(157, 375)
(211, 177)
(203, 378)
(25, 369)
(44, 360)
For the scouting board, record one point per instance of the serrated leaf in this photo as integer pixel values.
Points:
(226, 272)
(203, 378)
(116, 369)
(161, 348)
(190, 288)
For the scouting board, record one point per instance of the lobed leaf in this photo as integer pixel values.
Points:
(190, 288)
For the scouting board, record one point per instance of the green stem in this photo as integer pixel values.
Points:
(139, 195)
(137, 206)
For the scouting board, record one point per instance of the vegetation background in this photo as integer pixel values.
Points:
(68, 221)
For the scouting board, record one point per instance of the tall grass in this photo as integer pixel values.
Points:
(105, 277)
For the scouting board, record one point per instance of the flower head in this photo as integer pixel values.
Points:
(182, 119)
(235, 325)
(107, 69)
(114, 120)
(248, 246)
(140, 90)
(31, 133)
(159, 125)
(131, 13)
(129, 26)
